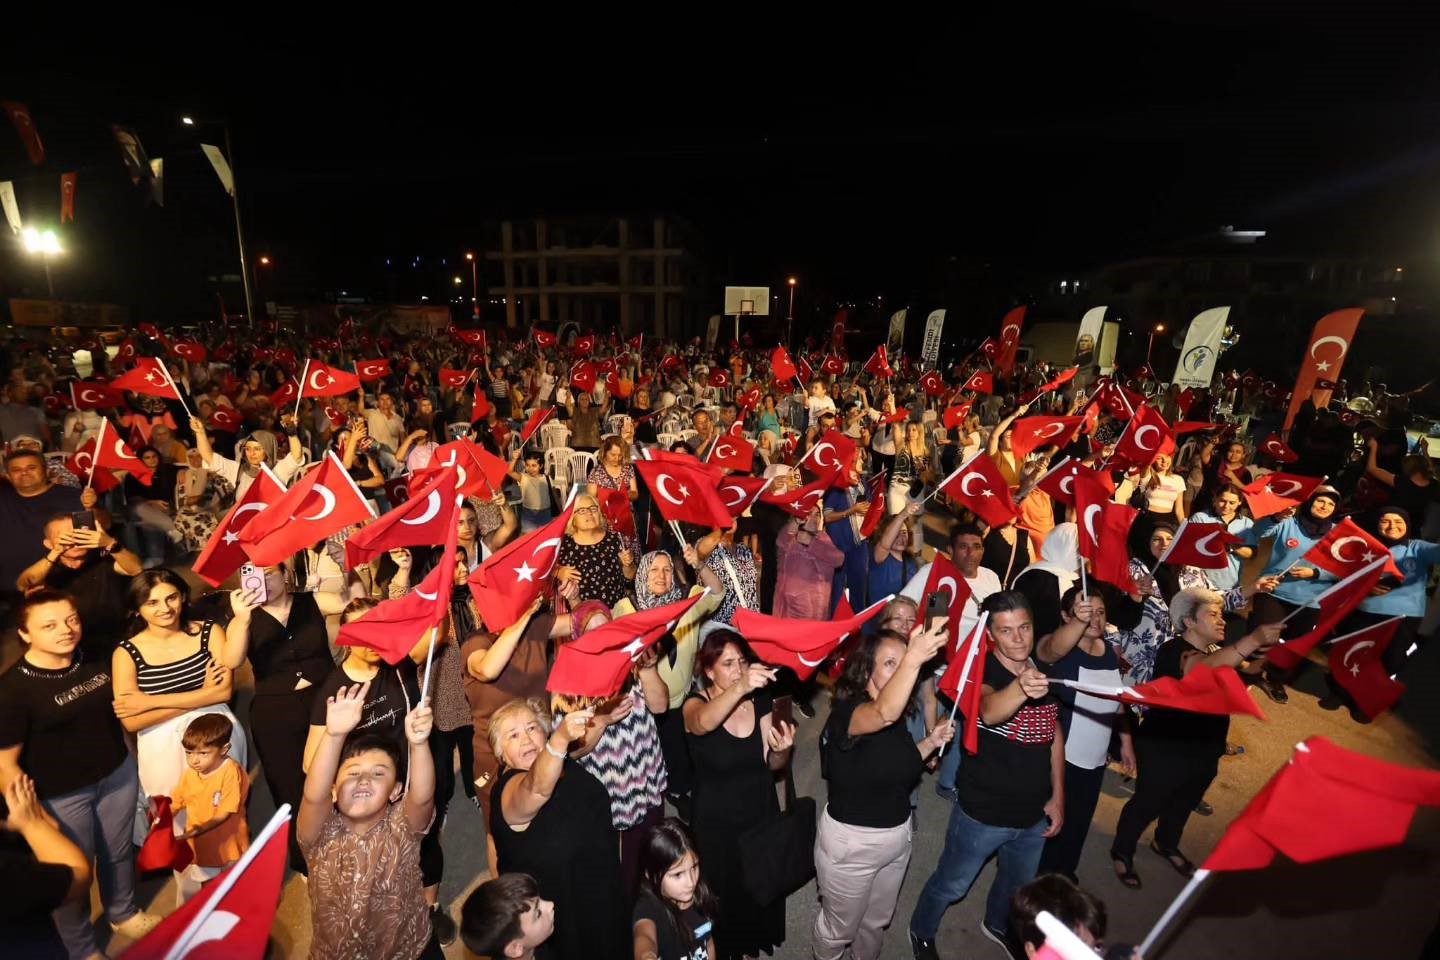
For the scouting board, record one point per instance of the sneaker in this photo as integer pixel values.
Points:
(997, 937)
(947, 793)
(1273, 689)
(137, 925)
(443, 926)
(1204, 809)
(923, 949)
(1331, 701)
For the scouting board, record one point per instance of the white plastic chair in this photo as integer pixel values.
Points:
(616, 422)
(667, 440)
(581, 463)
(554, 434)
(557, 468)
(688, 433)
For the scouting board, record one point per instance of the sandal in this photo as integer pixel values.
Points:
(1184, 867)
(1128, 876)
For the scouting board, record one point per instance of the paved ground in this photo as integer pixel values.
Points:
(1375, 905)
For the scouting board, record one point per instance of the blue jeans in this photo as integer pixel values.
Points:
(968, 845)
(99, 818)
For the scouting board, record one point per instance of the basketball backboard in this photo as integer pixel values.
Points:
(747, 301)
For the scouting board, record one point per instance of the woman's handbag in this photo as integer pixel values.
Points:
(778, 857)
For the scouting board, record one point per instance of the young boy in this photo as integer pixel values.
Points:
(1078, 909)
(360, 830)
(212, 790)
(505, 917)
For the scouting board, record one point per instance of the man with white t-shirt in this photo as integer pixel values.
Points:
(967, 546)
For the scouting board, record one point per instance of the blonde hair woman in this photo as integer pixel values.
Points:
(595, 563)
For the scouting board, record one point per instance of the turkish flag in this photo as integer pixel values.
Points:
(25, 127)
(288, 393)
(67, 197)
(946, 577)
(848, 645)
(1144, 372)
(454, 379)
(261, 355)
(989, 349)
(801, 645)
(422, 519)
(1275, 492)
(507, 584)
(583, 376)
(545, 340)
(480, 407)
(397, 489)
(672, 363)
(1326, 802)
(1059, 482)
(323, 502)
(286, 358)
(230, 918)
(111, 453)
(1356, 664)
(323, 380)
(162, 849)
(781, 366)
(1030, 433)
(56, 403)
(963, 679)
(978, 485)
(1329, 343)
(336, 418)
(719, 378)
(1275, 448)
(394, 627)
(875, 487)
(371, 370)
(1192, 426)
(480, 472)
(636, 342)
(1145, 438)
(799, 503)
(583, 346)
(749, 399)
(188, 350)
(933, 384)
(955, 416)
(598, 662)
(832, 365)
(738, 492)
(1104, 532)
(1064, 377)
(476, 338)
(82, 464)
(733, 452)
(980, 382)
(898, 416)
(1335, 605)
(831, 456)
(684, 492)
(1347, 548)
(537, 419)
(148, 377)
(223, 554)
(224, 419)
(807, 373)
(88, 395)
(1118, 401)
(1202, 545)
(1218, 691)
(879, 365)
(1009, 339)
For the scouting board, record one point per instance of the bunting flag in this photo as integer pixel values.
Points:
(67, 197)
(598, 662)
(25, 127)
(1329, 344)
(801, 645)
(223, 554)
(132, 153)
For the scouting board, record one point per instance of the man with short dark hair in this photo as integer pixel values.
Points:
(26, 502)
(1011, 791)
(95, 569)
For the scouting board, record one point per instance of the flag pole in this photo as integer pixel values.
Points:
(300, 394)
(228, 879)
(170, 378)
(967, 678)
(1084, 587)
(429, 662)
(1191, 888)
(95, 454)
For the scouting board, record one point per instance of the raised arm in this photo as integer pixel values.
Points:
(1055, 646)
(894, 699)
(705, 716)
(342, 715)
(523, 797)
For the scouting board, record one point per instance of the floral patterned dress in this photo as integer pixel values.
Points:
(1138, 647)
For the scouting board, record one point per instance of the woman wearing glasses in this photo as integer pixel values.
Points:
(594, 561)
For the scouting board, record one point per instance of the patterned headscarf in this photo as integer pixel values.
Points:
(582, 615)
(644, 599)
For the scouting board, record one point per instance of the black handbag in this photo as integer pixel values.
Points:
(778, 857)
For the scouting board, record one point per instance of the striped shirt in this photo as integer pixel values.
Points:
(180, 676)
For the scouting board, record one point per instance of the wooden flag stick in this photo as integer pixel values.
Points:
(969, 663)
(300, 393)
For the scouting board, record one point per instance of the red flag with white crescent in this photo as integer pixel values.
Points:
(980, 382)
(323, 502)
(25, 127)
(801, 645)
(1031, 433)
(505, 585)
(1329, 344)
(423, 518)
(1346, 549)
(1203, 545)
(1009, 340)
(67, 197)
(323, 380)
(1277, 491)
(371, 370)
(599, 661)
(223, 554)
(979, 486)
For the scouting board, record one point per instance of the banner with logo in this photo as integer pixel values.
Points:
(1202, 349)
(157, 181)
(1087, 340)
(930, 347)
(895, 342)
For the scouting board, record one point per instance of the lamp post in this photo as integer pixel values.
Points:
(261, 261)
(474, 286)
(1158, 328)
(235, 202)
(790, 316)
(45, 243)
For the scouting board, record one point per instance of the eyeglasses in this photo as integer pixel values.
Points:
(587, 510)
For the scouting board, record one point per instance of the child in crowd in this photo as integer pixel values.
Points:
(674, 906)
(1080, 910)
(360, 829)
(536, 504)
(505, 917)
(212, 791)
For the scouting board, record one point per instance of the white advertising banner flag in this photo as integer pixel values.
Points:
(930, 348)
(1202, 349)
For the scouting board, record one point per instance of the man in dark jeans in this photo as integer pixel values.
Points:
(1011, 790)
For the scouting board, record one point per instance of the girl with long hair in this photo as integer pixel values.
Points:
(675, 909)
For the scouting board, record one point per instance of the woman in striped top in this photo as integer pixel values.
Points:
(165, 675)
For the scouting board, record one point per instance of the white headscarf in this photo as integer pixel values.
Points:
(1059, 555)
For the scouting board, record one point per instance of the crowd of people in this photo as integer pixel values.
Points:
(635, 824)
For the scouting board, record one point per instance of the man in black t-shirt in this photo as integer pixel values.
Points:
(95, 569)
(26, 502)
(1011, 790)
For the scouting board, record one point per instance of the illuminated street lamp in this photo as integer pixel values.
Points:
(1158, 328)
(790, 317)
(474, 286)
(47, 244)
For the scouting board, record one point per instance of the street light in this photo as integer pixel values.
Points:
(262, 261)
(45, 243)
(474, 286)
(235, 202)
(1158, 328)
(790, 317)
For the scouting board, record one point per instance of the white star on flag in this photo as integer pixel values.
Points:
(1323, 366)
(230, 538)
(525, 572)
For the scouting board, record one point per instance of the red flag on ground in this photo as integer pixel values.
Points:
(1275, 492)
(876, 489)
(223, 554)
(394, 627)
(799, 503)
(1144, 439)
(1347, 548)
(323, 380)
(453, 379)
(684, 493)
(1276, 449)
(980, 382)
(879, 364)
(371, 370)
(1009, 339)
(148, 377)
(507, 584)
(422, 519)
(1203, 689)
(1363, 674)
(537, 419)
(86, 395)
(1104, 532)
(1031, 433)
(978, 485)
(1329, 343)
(230, 918)
(961, 682)
(1203, 545)
(831, 456)
(323, 502)
(801, 645)
(781, 366)
(955, 416)
(1335, 605)
(597, 663)
(738, 492)
(733, 452)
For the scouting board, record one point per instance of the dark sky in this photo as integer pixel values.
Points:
(854, 150)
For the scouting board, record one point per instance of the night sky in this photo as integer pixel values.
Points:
(857, 154)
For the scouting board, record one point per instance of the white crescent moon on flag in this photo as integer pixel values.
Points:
(739, 495)
(120, 451)
(1005, 334)
(315, 383)
(812, 497)
(1139, 435)
(369, 370)
(819, 459)
(83, 459)
(1090, 512)
(1359, 646)
(1202, 545)
(953, 587)
(965, 483)
(660, 482)
(553, 545)
(1053, 430)
(328, 508)
(89, 396)
(1275, 487)
(245, 508)
(427, 596)
(725, 450)
(1067, 485)
(809, 663)
(432, 507)
(1344, 346)
(1337, 548)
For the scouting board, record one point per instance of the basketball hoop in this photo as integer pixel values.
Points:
(746, 302)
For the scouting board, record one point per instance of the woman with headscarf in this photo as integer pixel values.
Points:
(253, 451)
(1293, 534)
(1046, 580)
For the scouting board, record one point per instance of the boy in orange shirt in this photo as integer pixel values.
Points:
(212, 790)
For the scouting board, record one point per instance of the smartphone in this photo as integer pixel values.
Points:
(83, 519)
(253, 578)
(782, 710)
(937, 605)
